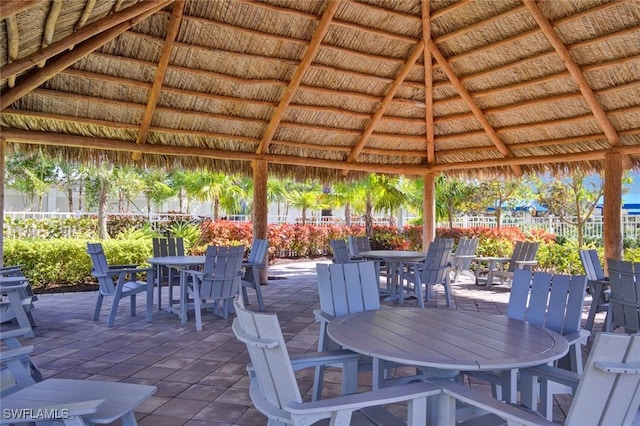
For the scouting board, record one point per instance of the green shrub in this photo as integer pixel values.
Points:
(64, 262)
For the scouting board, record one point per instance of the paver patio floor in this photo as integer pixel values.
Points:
(201, 376)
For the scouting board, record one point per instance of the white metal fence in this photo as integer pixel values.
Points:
(593, 229)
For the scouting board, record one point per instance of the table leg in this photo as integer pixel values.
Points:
(393, 282)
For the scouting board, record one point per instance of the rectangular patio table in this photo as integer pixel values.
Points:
(177, 262)
(447, 342)
(394, 259)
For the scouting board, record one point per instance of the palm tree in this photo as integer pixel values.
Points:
(307, 197)
(349, 195)
(382, 194)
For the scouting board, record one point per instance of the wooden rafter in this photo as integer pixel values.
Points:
(11, 7)
(576, 73)
(428, 84)
(45, 138)
(464, 93)
(133, 12)
(68, 58)
(384, 105)
(158, 80)
(305, 62)
(50, 25)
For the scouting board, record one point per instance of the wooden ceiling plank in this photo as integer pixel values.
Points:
(63, 61)
(305, 62)
(12, 7)
(384, 105)
(428, 84)
(13, 45)
(161, 70)
(502, 148)
(576, 73)
(44, 138)
(50, 25)
(86, 33)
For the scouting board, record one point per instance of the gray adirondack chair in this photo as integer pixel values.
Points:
(27, 297)
(343, 289)
(608, 393)
(216, 285)
(173, 246)
(598, 285)
(624, 301)
(71, 402)
(275, 393)
(434, 270)
(356, 245)
(523, 257)
(252, 267)
(340, 252)
(552, 301)
(118, 282)
(463, 256)
(9, 385)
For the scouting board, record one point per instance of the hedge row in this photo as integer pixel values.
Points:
(63, 262)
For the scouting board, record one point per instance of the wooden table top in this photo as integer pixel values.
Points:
(447, 339)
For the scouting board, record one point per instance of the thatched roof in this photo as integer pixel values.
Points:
(318, 88)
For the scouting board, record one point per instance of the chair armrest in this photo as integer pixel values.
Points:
(553, 374)
(315, 359)
(259, 265)
(115, 271)
(331, 407)
(7, 355)
(18, 332)
(321, 316)
(523, 263)
(12, 287)
(509, 412)
(124, 266)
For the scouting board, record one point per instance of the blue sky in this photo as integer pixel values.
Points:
(633, 195)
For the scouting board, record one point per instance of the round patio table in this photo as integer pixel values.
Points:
(446, 341)
(393, 258)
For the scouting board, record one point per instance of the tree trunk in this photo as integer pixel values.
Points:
(102, 209)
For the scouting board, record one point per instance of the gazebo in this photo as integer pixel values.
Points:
(331, 89)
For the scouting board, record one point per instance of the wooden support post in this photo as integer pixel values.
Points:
(429, 210)
(2, 150)
(612, 232)
(260, 206)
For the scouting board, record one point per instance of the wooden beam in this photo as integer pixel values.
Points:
(301, 69)
(161, 70)
(45, 138)
(612, 232)
(384, 105)
(133, 12)
(428, 85)
(12, 7)
(63, 61)
(576, 73)
(502, 148)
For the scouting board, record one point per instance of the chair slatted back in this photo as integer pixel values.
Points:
(222, 272)
(273, 382)
(101, 268)
(624, 279)
(168, 246)
(258, 253)
(553, 301)
(358, 244)
(340, 251)
(523, 251)
(591, 264)
(437, 258)
(609, 390)
(347, 288)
